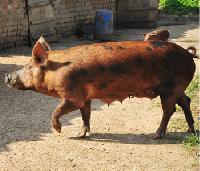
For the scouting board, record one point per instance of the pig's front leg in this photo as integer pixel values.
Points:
(85, 112)
(64, 108)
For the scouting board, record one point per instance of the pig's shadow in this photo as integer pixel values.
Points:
(170, 138)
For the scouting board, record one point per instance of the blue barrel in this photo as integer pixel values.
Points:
(103, 25)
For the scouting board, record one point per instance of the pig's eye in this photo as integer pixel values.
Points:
(27, 67)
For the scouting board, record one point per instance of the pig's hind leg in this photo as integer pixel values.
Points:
(168, 106)
(64, 108)
(85, 112)
(184, 102)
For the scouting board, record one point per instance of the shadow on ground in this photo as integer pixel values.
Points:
(22, 116)
(170, 138)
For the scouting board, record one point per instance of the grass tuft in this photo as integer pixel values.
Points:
(191, 141)
(179, 7)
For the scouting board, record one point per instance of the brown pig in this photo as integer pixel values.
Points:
(157, 35)
(163, 35)
(109, 71)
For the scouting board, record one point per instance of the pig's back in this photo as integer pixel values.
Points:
(157, 58)
(111, 71)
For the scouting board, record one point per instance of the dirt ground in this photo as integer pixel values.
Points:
(121, 135)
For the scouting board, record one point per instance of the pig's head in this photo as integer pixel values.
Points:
(157, 35)
(31, 76)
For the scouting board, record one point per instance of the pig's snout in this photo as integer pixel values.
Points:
(10, 79)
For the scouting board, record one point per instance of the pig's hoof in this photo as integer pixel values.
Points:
(159, 135)
(191, 130)
(57, 127)
(81, 135)
(84, 130)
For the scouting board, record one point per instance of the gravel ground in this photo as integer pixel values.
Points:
(121, 135)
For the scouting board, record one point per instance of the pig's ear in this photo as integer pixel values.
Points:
(39, 54)
(44, 43)
(144, 34)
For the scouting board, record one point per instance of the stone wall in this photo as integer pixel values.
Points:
(69, 14)
(13, 24)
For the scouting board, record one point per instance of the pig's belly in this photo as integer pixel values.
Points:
(119, 93)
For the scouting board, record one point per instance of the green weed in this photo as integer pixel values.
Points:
(191, 141)
(180, 7)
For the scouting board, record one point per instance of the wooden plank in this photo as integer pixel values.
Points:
(42, 20)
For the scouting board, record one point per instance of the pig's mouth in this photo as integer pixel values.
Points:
(11, 80)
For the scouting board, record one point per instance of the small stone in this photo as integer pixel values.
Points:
(70, 160)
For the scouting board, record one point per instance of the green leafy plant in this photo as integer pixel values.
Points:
(179, 7)
(191, 141)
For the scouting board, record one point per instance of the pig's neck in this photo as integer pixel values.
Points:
(47, 90)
